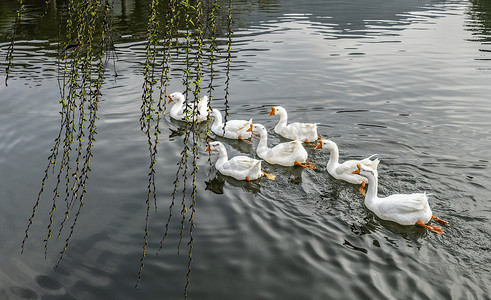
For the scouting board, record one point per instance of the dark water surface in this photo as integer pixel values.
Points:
(408, 80)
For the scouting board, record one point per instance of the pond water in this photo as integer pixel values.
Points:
(408, 80)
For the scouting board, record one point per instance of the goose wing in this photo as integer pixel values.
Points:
(238, 125)
(286, 149)
(404, 203)
(301, 130)
(241, 163)
(348, 167)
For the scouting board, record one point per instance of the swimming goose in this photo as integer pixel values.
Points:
(232, 129)
(345, 170)
(294, 131)
(285, 154)
(404, 209)
(177, 111)
(238, 167)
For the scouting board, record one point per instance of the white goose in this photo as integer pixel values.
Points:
(232, 129)
(238, 167)
(345, 170)
(285, 154)
(294, 131)
(405, 209)
(177, 110)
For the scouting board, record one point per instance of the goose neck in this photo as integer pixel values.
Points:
(333, 157)
(222, 156)
(178, 105)
(283, 118)
(218, 118)
(263, 139)
(372, 190)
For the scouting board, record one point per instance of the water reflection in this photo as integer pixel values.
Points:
(480, 26)
(304, 226)
(339, 20)
(332, 18)
(480, 11)
(352, 247)
(218, 183)
(180, 128)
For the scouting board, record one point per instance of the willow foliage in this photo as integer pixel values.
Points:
(185, 30)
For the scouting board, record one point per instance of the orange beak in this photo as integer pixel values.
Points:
(320, 145)
(170, 99)
(250, 129)
(272, 111)
(208, 148)
(358, 170)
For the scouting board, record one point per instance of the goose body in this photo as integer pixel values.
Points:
(404, 209)
(294, 131)
(177, 111)
(344, 171)
(232, 129)
(238, 167)
(284, 154)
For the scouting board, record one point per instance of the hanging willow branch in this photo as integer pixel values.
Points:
(188, 112)
(10, 51)
(82, 75)
(148, 109)
(212, 59)
(94, 89)
(191, 16)
(229, 57)
(81, 67)
(195, 151)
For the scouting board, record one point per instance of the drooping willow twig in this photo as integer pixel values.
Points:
(229, 58)
(193, 54)
(190, 112)
(81, 74)
(10, 51)
(94, 98)
(212, 59)
(80, 92)
(195, 151)
(147, 117)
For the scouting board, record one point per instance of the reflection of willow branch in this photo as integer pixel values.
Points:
(10, 50)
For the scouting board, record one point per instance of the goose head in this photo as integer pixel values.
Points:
(177, 97)
(364, 171)
(214, 114)
(203, 99)
(257, 129)
(277, 110)
(215, 147)
(326, 144)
